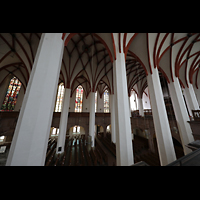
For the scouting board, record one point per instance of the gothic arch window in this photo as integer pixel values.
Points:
(12, 93)
(133, 101)
(59, 99)
(79, 99)
(106, 101)
(76, 130)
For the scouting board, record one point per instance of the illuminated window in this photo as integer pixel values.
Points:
(12, 93)
(2, 138)
(79, 99)
(96, 101)
(133, 101)
(55, 132)
(76, 130)
(60, 96)
(106, 101)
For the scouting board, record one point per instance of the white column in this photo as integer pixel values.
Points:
(140, 107)
(161, 123)
(112, 108)
(124, 148)
(191, 98)
(92, 117)
(181, 114)
(63, 122)
(29, 144)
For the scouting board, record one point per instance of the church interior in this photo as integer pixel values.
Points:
(99, 99)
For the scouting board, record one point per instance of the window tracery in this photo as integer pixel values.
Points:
(79, 99)
(12, 93)
(106, 101)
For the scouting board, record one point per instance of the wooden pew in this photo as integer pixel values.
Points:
(88, 158)
(109, 146)
(51, 158)
(70, 154)
(65, 153)
(50, 144)
(93, 156)
(99, 157)
(57, 159)
(76, 154)
(102, 152)
(81, 153)
(50, 151)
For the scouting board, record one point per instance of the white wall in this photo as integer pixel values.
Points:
(146, 100)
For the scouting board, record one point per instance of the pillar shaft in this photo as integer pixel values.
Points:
(124, 148)
(63, 122)
(31, 135)
(140, 107)
(191, 98)
(181, 114)
(161, 123)
(92, 118)
(113, 134)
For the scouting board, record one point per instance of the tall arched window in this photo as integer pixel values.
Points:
(133, 101)
(60, 96)
(12, 93)
(79, 99)
(96, 101)
(106, 101)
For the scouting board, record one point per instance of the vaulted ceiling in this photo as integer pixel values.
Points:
(88, 58)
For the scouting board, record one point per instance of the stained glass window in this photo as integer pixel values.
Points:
(12, 93)
(96, 101)
(60, 96)
(79, 99)
(106, 101)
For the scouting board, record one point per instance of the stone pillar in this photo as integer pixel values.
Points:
(140, 107)
(181, 114)
(191, 98)
(124, 148)
(92, 118)
(161, 123)
(63, 122)
(112, 104)
(29, 144)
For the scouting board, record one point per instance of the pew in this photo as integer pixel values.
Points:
(81, 153)
(51, 158)
(65, 151)
(57, 160)
(88, 158)
(70, 153)
(93, 156)
(102, 152)
(50, 150)
(109, 146)
(76, 154)
(99, 157)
